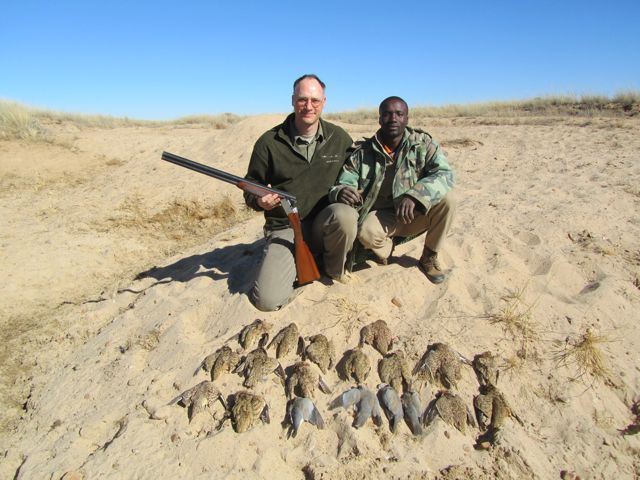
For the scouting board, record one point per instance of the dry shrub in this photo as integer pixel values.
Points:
(347, 312)
(515, 318)
(19, 122)
(346, 309)
(180, 220)
(584, 352)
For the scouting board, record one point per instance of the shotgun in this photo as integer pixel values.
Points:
(306, 267)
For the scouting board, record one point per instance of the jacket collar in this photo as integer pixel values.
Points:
(287, 130)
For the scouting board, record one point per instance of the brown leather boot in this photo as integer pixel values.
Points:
(430, 265)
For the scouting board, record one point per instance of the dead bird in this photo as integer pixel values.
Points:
(492, 410)
(394, 370)
(320, 351)
(256, 365)
(301, 410)
(248, 409)
(199, 398)
(356, 365)
(286, 340)
(256, 331)
(451, 408)
(223, 360)
(440, 363)
(304, 379)
(378, 335)
(412, 411)
(485, 365)
(391, 404)
(365, 404)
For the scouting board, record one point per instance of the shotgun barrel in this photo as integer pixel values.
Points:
(306, 268)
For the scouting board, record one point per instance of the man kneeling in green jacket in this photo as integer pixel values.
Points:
(396, 184)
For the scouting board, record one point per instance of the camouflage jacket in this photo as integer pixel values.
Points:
(422, 172)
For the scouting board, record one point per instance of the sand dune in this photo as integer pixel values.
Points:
(105, 320)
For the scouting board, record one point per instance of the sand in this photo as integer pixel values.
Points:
(105, 319)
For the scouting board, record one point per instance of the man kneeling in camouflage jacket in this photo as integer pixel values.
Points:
(396, 184)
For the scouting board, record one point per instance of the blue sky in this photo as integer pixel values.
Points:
(163, 60)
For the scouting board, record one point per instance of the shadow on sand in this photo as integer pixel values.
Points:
(235, 263)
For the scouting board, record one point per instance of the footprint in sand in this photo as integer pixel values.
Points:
(527, 238)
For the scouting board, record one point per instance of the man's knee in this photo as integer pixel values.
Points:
(268, 300)
(448, 203)
(343, 217)
(371, 232)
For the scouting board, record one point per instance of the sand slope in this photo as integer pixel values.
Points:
(547, 229)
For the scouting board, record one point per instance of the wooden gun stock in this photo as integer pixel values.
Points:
(306, 267)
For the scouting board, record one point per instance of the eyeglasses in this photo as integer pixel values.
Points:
(302, 101)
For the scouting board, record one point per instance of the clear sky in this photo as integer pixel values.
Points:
(167, 59)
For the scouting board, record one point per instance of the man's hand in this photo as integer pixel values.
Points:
(405, 210)
(269, 201)
(350, 196)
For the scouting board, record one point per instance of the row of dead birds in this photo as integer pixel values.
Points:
(440, 364)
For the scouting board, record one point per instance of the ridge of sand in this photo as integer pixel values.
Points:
(546, 211)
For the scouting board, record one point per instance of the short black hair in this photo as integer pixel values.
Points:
(392, 99)
(308, 75)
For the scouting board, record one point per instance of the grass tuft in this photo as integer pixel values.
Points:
(584, 352)
(516, 319)
(19, 123)
(179, 220)
(515, 315)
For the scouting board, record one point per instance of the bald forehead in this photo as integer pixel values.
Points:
(308, 85)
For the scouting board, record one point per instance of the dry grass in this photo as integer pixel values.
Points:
(20, 122)
(584, 352)
(180, 220)
(515, 315)
(347, 312)
(516, 319)
(460, 142)
(588, 241)
(622, 104)
(150, 340)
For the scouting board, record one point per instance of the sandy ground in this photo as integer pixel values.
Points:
(105, 319)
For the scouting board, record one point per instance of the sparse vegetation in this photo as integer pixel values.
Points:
(18, 121)
(624, 103)
(150, 340)
(180, 220)
(515, 318)
(584, 352)
(589, 242)
(347, 312)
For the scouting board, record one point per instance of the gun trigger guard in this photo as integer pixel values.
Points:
(287, 205)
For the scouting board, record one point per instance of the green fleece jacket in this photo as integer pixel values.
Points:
(275, 161)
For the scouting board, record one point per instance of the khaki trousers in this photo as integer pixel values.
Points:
(381, 226)
(330, 237)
